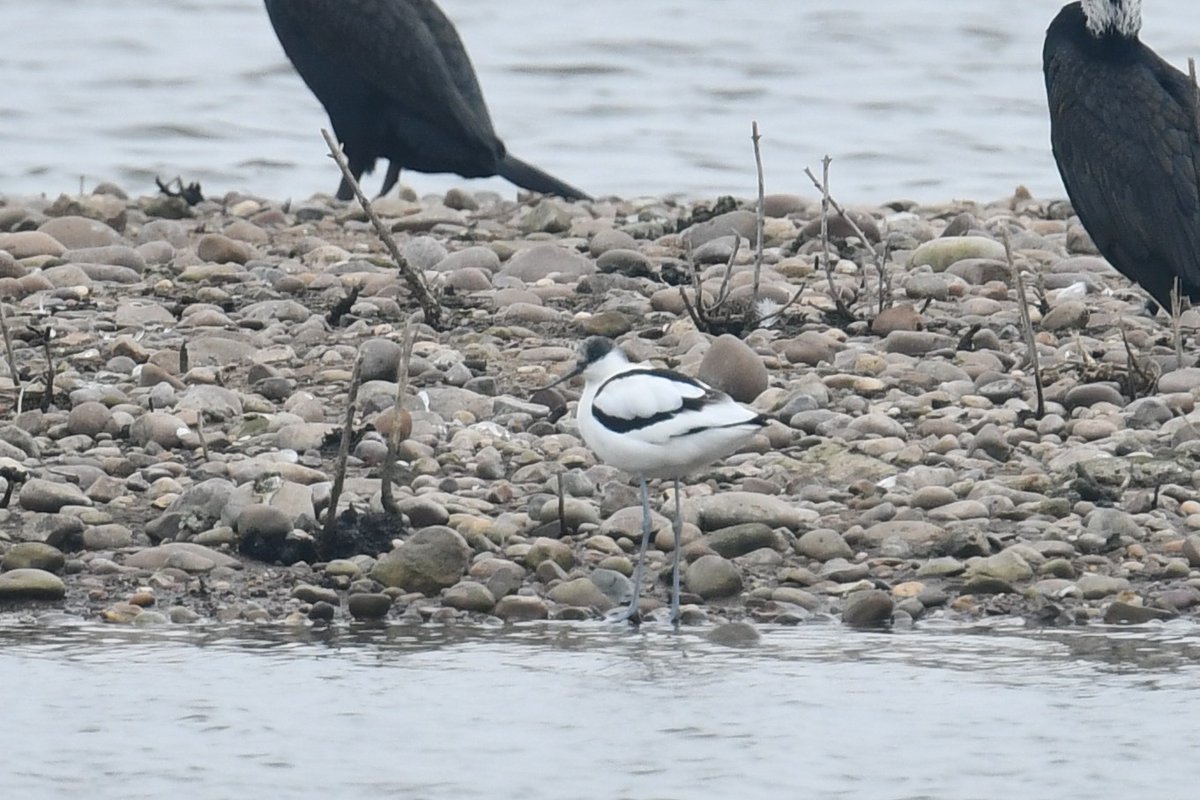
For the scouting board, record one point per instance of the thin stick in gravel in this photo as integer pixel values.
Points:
(1026, 325)
(723, 294)
(760, 214)
(416, 282)
(1139, 382)
(387, 498)
(1176, 311)
(200, 435)
(691, 310)
(48, 397)
(562, 507)
(826, 258)
(702, 315)
(8, 348)
(324, 545)
(836, 207)
(885, 279)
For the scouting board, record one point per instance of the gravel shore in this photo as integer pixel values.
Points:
(202, 358)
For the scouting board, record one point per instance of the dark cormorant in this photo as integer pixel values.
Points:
(397, 84)
(1123, 128)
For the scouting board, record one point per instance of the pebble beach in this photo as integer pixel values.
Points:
(180, 465)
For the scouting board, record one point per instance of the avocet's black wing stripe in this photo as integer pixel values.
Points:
(659, 406)
(758, 420)
(640, 398)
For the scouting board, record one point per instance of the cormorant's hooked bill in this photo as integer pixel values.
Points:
(1124, 131)
(398, 84)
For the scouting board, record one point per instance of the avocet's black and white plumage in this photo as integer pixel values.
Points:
(1123, 129)
(654, 423)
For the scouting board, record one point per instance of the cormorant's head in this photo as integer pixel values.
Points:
(1113, 17)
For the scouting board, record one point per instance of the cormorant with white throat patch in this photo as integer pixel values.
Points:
(397, 84)
(1123, 128)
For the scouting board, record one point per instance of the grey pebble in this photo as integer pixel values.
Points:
(871, 608)
(712, 576)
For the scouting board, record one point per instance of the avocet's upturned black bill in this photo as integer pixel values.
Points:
(397, 84)
(654, 423)
(1123, 128)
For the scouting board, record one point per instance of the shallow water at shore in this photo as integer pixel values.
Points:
(595, 711)
(624, 97)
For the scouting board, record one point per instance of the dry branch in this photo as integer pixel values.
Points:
(339, 474)
(702, 315)
(1176, 311)
(760, 215)
(8, 347)
(416, 282)
(826, 258)
(389, 465)
(880, 255)
(1026, 325)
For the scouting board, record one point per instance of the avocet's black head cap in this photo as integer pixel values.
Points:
(594, 348)
(591, 350)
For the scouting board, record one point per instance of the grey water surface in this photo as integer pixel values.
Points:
(927, 99)
(924, 99)
(595, 711)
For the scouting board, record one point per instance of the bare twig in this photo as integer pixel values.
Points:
(697, 311)
(702, 314)
(389, 465)
(723, 292)
(339, 475)
(885, 279)
(823, 188)
(778, 313)
(1145, 380)
(965, 341)
(562, 508)
(687, 304)
(825, 202)
(8, 348)
(826, 258)
(48, 397)
(416, 282)
(879, 255)
(1176, 323)
(1026, 326)
(760, 216)
(200, 435)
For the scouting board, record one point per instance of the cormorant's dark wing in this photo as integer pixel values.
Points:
(392, 63)
(1125, 139)
(458, 63)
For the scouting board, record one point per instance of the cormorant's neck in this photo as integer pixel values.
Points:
(1113, 19)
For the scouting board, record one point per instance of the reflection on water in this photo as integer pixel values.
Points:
(587, 711)
(912, 98)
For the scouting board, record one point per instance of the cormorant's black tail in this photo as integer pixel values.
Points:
(527, 176)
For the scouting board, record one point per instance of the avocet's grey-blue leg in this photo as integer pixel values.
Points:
(630, 613)
(675, 569)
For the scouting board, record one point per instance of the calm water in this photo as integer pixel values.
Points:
(913, 98)
(590, 711)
